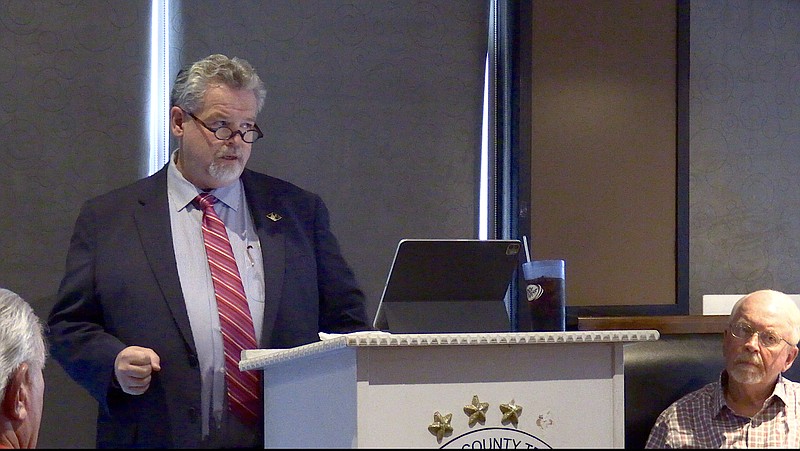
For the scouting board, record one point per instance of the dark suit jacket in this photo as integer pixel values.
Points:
(121, 288)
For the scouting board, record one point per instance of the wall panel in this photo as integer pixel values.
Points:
(73, 105)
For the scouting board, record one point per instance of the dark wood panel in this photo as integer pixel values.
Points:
(593, 185)
(667, 324)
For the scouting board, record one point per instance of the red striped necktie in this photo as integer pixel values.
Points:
(234, 314)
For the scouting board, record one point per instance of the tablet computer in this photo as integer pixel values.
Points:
(448, 286)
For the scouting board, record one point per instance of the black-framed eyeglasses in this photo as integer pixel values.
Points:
(223, 133)
(767, 338)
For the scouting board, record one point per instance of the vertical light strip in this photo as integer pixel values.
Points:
(159, 85)
(483, 214)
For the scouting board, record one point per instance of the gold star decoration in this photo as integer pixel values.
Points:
(476, 411)
(511, 412)
(274, 216)
(441, 425)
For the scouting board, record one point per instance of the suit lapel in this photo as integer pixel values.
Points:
(264, 207)
(153, 224)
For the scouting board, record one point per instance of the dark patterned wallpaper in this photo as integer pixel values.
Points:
(73, 110)
(744, 147)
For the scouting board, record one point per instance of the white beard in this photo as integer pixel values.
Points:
(226, 172)
(748, 374)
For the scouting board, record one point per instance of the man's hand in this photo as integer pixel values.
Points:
(133, 368)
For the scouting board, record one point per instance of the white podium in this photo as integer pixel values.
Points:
(503, 390)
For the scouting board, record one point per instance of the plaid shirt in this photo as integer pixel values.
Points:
(701, 419)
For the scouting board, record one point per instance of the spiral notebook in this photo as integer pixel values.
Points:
(448, 286)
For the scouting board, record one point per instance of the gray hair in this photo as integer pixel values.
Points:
(21, 336)
(194, 80)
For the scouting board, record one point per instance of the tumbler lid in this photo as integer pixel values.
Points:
(543, 268)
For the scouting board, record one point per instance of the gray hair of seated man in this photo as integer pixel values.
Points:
(21, 336)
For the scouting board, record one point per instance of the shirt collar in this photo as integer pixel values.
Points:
(778, 392)
(183, 192)
(719, 395)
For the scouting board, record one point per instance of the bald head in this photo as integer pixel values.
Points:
(775, 304)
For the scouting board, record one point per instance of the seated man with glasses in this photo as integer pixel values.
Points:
(752, 405)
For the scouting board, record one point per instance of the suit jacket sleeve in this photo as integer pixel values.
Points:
(77, 332)
(341, 300)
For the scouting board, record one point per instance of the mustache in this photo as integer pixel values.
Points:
(753, 359)
(228, 152)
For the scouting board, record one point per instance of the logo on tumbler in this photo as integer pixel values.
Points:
(534, 292)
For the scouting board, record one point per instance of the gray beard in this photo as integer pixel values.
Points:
(226, 174)
(747, 374)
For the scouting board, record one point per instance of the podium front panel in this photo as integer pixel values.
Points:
(548, 394)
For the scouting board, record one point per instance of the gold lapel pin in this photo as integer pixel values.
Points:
(274, 216)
